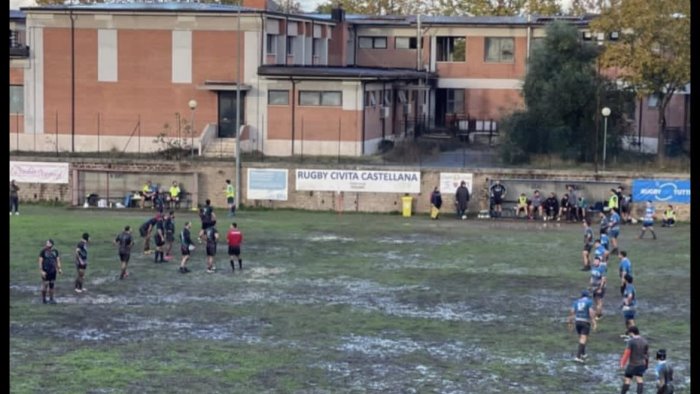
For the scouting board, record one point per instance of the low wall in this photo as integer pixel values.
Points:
(211, 177)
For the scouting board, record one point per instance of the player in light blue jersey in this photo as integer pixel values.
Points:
(614, 229)
(648, 220)
(605, 242)
(625, 268)
(629, 303)
(599, 280)
(603, 221)
(583, 314)
(600, 251)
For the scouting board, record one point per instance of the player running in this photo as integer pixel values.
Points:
(49, 264)
(598, 282)
(583, 313)
(186, 247)
(614, 229)
(235, 238)
(648, 221)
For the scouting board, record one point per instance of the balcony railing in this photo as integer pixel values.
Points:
(19, 51)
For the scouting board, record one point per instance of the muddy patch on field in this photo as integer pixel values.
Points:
(329, 238)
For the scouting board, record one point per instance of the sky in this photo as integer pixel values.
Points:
(306, 5)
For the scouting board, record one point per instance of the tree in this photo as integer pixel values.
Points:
(653, 52)
(376, 7)
(497, 7)
(559, 91)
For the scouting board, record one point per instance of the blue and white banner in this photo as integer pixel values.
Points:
(358, 181)
(661, 190)
(267, 184)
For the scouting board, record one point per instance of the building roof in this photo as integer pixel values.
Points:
(411, 20)
(17, 14)
(337, 72)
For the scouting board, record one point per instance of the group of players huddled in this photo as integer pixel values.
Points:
(162, 228)
(587, 310)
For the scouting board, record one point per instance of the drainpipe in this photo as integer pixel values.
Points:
(286, 56)
(382, 107)
(294, 101)
(263, 39)
(364, 120)
(639, 129)
(419, 46)
(529, 39)
(72, 85)
(313, 39)
(354, 53)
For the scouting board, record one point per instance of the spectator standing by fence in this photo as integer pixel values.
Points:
(462, 200)
(14, 197)
(230, 198)
(498, 193)
(435, 203)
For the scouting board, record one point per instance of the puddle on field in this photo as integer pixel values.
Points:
(329, 238)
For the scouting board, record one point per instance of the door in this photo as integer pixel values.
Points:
(227, 113)
(440, 107)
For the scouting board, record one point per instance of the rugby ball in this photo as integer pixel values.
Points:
(191, 248)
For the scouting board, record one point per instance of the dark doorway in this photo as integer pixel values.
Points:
(440, 107)
(227, 113)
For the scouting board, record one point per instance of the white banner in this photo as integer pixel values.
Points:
(449, 182)
(38, 172)
(267, 184)
(358, 181)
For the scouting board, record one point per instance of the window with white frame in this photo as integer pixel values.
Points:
(499, 49)
(271, 44)
(451, 49)
(455, 101)
(372, 42)
(321, 98)
(406, 43)
(278, 97)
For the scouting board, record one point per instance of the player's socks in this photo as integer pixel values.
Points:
(240, 264)
(43, 297)
(581, 350)
(640, 388)
(625, 388)
(233, 265)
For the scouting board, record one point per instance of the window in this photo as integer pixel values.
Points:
(406, 43)
(317, 47)
(290, 45)
(499, 50)
(402, 97)
(451, 49)
(387, 98)
(455, 101)
(370, 99)
(316, 98)
(653, 101)
(16, 99)
(278, 97)
(372, 42)
(271, 44)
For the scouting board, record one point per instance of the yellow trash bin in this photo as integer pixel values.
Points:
(407, 201)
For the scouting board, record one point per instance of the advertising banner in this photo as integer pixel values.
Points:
(449, 182)
(267, 184)
(38, 172)
(661, 190)
(358, 181)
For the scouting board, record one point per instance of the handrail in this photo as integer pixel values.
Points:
(208, 134)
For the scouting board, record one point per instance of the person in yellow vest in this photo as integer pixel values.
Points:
(669, 218)
(174, 196)
(147, 193)
(614, 201)
(522, 205)
(230, 198)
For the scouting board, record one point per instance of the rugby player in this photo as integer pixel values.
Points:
(635, 360)
(583, 313)
(125, 242)
(235, 238)
(49, 264)
(81, 258)
(186, 247)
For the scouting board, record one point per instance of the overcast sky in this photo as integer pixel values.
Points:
(306, 5)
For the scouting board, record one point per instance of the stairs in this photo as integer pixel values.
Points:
(221, 148)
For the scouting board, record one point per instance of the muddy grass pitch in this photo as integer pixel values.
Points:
(328, 303)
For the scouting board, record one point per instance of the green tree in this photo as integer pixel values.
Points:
(559, 91)
(497, 7)
(376, 7)
(653, 52)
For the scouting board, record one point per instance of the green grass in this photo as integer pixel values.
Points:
(329, 303)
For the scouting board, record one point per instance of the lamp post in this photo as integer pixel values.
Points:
(193, 106)
(605, 112)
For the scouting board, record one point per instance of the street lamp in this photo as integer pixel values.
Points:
(605, 112)
(193, 106)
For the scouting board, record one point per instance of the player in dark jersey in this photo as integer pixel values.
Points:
(635, 360)
(234, 238)
(629, 303)
(212, 235)
(587, 244)
(125, 242)
(186, 247)
(159, 239)
(604, 221)
(498, 193)
(49, 264)
(664, 374)
(81, 259)
(625, 268)
(145, 232)
(169, 225)
(598, 283)
(583, 313)
(208, 218)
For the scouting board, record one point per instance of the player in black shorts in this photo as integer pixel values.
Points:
(498, 193)
(81, 255)
(186, 247)
(212, 235)
(169, 225)
(125, 242)
(145, 232)
(208, 218)
(159, 239)
(49, 264)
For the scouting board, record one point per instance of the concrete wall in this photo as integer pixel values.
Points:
(213, 174)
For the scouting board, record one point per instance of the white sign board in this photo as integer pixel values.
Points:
(358, 181)
(267, 184)
(449, 182)
(38, 172)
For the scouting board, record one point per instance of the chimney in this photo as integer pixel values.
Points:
(338, 14)
(259, 4)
